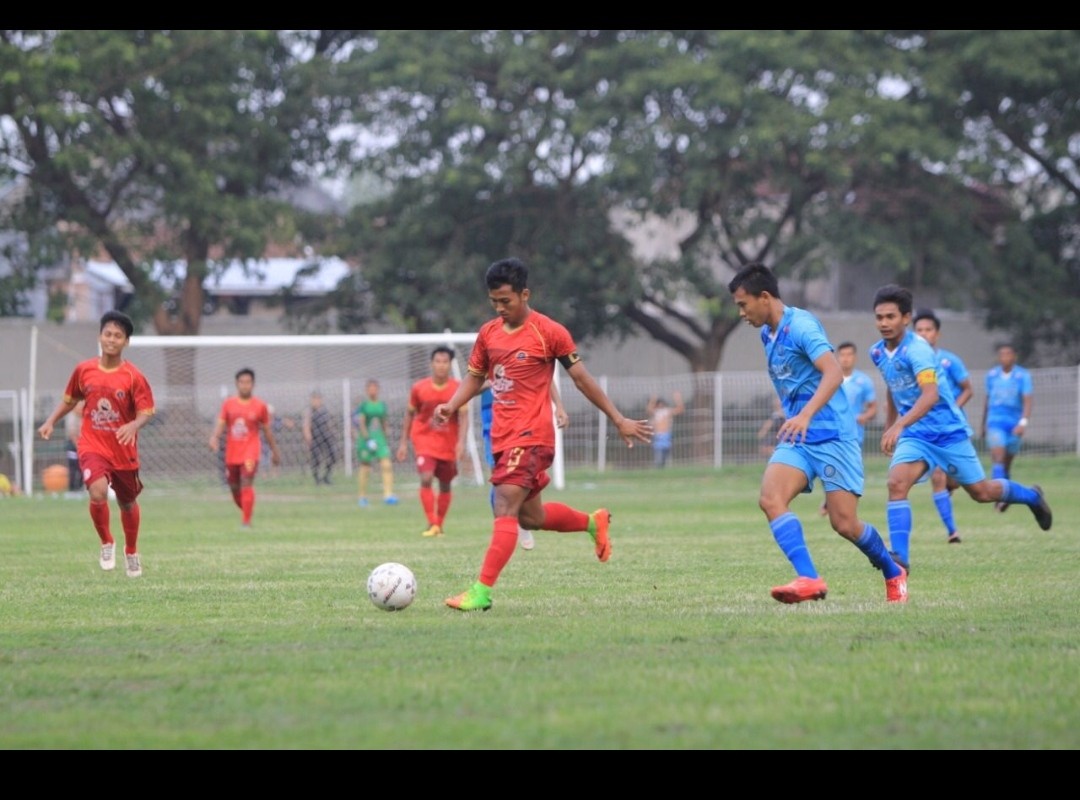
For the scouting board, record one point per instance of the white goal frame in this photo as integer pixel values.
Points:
(462, 342)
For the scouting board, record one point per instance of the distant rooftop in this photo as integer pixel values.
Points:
(254, 278)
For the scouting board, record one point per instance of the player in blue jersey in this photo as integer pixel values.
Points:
(928, 326)
(861, 394)
(562, 419)
(817, 439)
(924, 428)
(1009, 394)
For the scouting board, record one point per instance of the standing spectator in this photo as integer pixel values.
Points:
(816, 440)
(118, 404)
(924, 428)
(517, 352)
(1009, 397)
(662, 417)
(928, 326)
(319, 437)
(242, 418)
(438, 445)
(372, 446)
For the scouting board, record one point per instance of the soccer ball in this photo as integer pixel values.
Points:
(391, 586)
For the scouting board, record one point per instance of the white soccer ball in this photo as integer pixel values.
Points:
(391, 586)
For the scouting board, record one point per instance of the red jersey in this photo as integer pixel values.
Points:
(428, 437)
(521, 366)
(113, 398)
(244, 419)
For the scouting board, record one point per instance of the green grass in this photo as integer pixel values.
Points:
(265, 639)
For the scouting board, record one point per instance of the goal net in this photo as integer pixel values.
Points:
(192, 375)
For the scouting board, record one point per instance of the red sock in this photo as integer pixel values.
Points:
(130, 520)
(444, 504)
(236, 497)
(427, 500)
(99, 514)
(504, 537)
(247, 503)
(559, 517)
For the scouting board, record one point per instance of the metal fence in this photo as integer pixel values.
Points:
(724, 414)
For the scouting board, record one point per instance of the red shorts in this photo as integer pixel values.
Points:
(124, 482)
(442, 469)
(524, 466)
(233, 472)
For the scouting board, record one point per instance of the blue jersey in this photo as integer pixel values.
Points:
(859, 388)
(945, 422)
(486, 415)
(1005, 393)
(955, 372)
(790, 353)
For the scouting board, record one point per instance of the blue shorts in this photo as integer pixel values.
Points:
(959, 459)
(662, 441)
(838, 465)
(1003, 437)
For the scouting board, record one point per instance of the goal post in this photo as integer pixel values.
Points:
(191, 375)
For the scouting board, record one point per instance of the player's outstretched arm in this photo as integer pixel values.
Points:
(630, 430)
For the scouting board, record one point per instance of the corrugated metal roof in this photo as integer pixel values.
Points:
(256, 278)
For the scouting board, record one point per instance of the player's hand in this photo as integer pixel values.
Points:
(402, 451)
(125, 434)
(45, 431)
(890, 438)
(213, 443)
(562, 419)
(794, 429)
(441, 414)
(631, 429)
(275, 458)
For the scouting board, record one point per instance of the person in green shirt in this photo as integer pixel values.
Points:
(369, 420)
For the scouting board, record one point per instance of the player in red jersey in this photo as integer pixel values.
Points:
(437, 446)
(118, 403)
(517, 351)
(243, 416)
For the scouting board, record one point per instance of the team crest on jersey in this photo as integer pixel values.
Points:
(120, 394)
(521, 355)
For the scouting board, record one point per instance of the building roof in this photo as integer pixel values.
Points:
(254, 278)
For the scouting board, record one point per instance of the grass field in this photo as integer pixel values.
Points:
(265, 639)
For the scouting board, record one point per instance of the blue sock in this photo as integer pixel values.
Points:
(1012, 492)
(898, 512)
(873, 546)
(997, 471)
(788, 532)
(944, 509)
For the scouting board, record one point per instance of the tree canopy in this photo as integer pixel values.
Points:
(940, 158)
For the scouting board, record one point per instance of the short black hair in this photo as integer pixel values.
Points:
(443, 348)
(846, 345)
(926, 313)
(119, 318)
(508, 271)
(755, 279)
(891, 293)
(245, 371)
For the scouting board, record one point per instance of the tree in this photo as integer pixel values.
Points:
(535, 142)
(1015, 96)
(162, 145)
